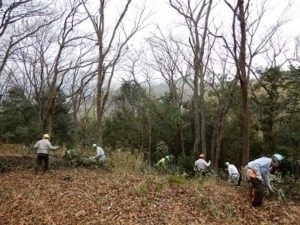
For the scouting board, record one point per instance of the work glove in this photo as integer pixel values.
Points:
(271, 189)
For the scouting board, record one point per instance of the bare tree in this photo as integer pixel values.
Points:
(168, 62)
(134, 69)
(239, 55)
(50, 58)
(13, 12)
(110, 46)
(243, 48)
(196, 15)
(223, 86)
(18, 21)
(81, 93)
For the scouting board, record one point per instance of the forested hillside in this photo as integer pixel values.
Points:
(231, 92)
(125, 194)
(153, 86)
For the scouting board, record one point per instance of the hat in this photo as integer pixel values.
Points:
(201, 156)
(276, 159)
(94, 145)
(46, 136)
(227, 163)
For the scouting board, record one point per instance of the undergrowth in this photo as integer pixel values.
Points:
(22, 158)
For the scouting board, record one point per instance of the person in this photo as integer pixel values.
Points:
(258, 174)
(100, 154)
(233, 174)
(43, 147)
(201, 165)
(163, 162)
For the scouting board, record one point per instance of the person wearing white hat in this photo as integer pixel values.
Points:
(100, 154)
(43, 147)
(258, 173)
(165, 161)
(233, 174)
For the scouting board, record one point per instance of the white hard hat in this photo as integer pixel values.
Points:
(46, 136)
(227, 163)
(276, 159)
(94, 145)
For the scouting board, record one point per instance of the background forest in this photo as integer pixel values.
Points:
(80, 71)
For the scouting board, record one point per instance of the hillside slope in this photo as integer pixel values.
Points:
(85, 196)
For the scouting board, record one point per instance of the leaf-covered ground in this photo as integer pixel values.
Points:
(95, 196)
(86, 196)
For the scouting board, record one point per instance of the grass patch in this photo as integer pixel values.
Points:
(125, 161)
(149, 185)
(176, 179)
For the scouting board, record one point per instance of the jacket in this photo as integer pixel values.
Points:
(261, 168)
(43, 146)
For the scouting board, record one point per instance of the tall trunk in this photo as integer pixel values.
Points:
(218, 141)
(100, 77)
(217, 138)
(223, 107)
(202, 113)
(145, 157)
(50, 124)
(181, 138)
(244, 82)
(47, 115)
(197, 41)
(149, 142)
(99, 119)
(202, 78)
(244, 87)
(196, 116)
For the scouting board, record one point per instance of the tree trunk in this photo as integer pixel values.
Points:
(100, 80)
(217, 138)
(244, 82)
(245, 159)
(196, 118)
(197, 41)
(202, 114)
(181, 138)
(149, 142)
(100, 112)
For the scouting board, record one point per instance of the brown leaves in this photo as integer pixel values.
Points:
(83, 196)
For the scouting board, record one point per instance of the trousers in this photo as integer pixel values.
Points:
(42, 158)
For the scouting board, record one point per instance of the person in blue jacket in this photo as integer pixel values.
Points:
(258, 174)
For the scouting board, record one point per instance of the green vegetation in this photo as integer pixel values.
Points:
(140, 130)
(141, 123)
(176, 179)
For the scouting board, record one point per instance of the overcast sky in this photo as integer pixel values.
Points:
(166, 16)
(168, 19)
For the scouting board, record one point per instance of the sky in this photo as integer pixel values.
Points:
(165, 16)
(168, 19)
